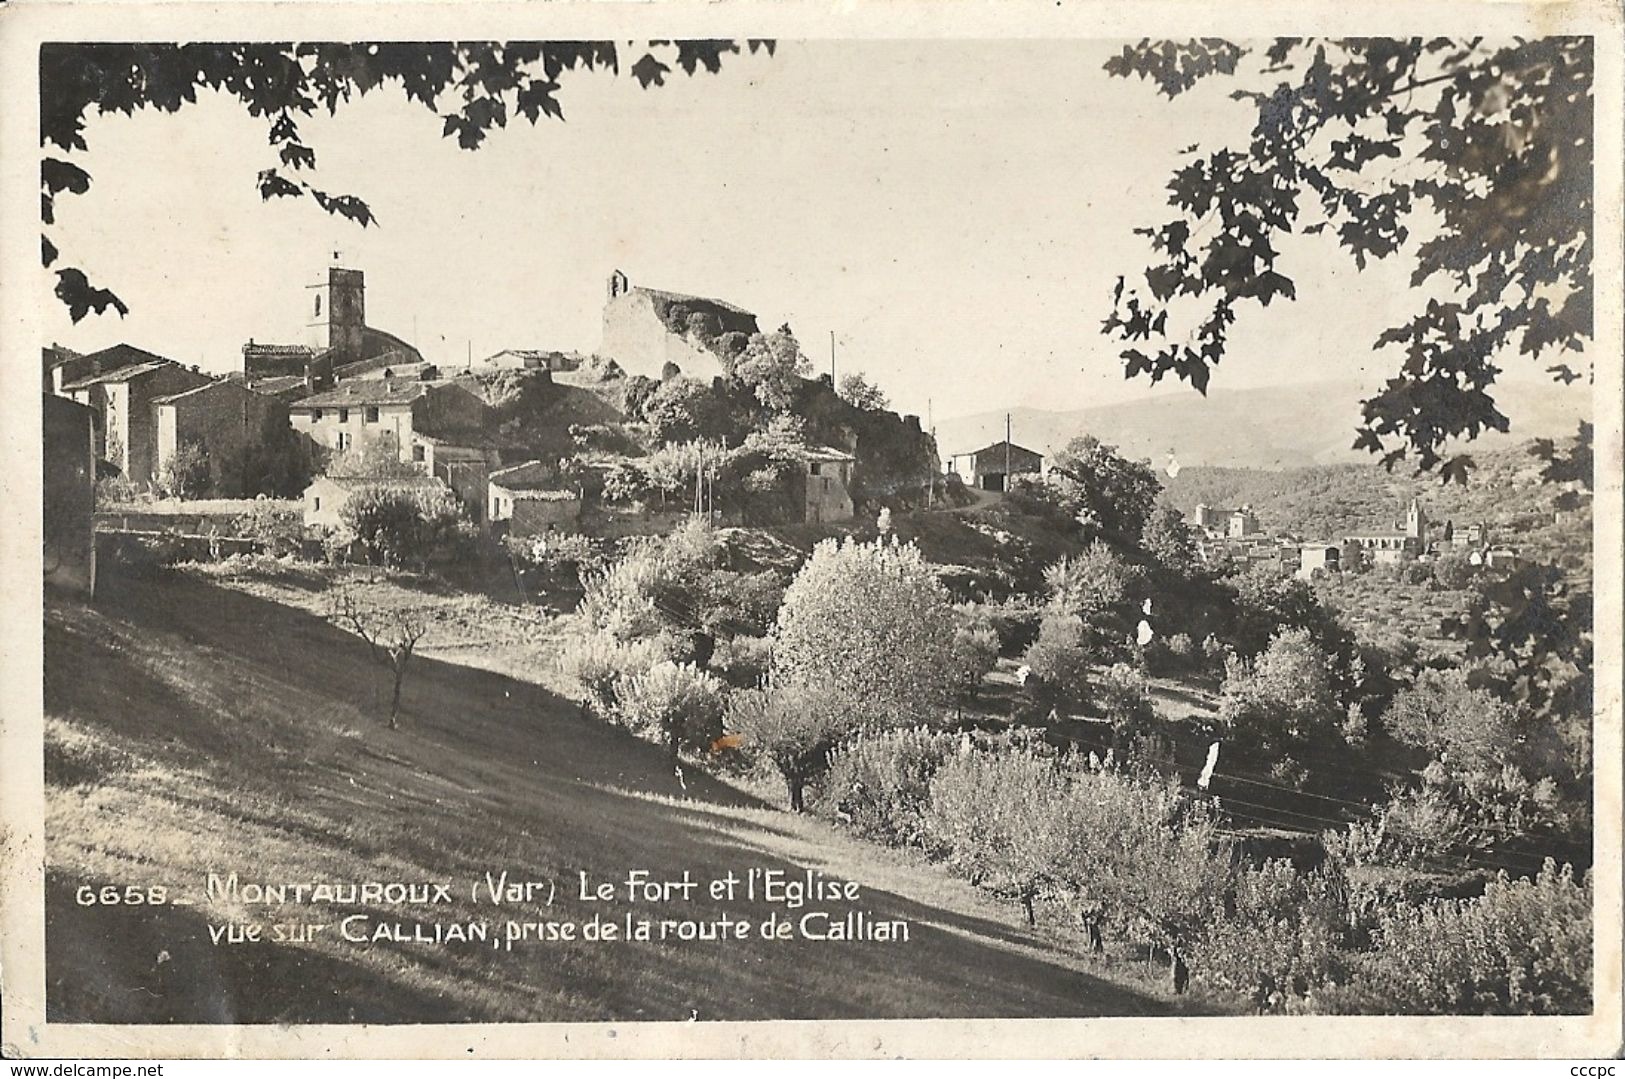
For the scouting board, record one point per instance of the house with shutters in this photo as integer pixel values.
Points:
(119, 389)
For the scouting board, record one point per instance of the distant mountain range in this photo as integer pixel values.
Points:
(1271, 427)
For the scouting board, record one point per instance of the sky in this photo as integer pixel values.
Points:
(955, 212)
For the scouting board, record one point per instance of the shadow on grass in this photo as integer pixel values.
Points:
(486, 773)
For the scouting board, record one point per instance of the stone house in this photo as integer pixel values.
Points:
(68, 496)
(526, 500)
(359, 411)
(120, 392)
(828, 480)
(326, 496)
(225, 418)
(647, 331)
(990, 464)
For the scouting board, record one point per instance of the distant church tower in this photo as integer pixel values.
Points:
(338, 313)
(1416, 521)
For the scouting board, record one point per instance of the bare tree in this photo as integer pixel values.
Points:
(392, 637)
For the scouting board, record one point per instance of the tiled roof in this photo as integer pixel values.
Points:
(826, 453)
(356, 483)
(121, 374)
(56, 355)
(216, 384)
(274, 384)
(998, 447)
(365, 392)
(535, 494)
(256, 349)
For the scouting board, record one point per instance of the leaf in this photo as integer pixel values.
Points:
(48, 250)
(649, 71)
(81, 297)
(58, 175)
(274, 185)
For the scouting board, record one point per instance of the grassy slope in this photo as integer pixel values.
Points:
(193, 726)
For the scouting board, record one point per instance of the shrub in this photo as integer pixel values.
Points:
(1059, 658)
(1443, 715)
(1124, 698)
(1284, 700)
(1524, 947)
(873, 619)
(596, 664)
(996, 819)
(1282, 939)
(879, 784)
(791, 728)
(186, 473)
(400, 527)
(975, 653)
(675, 703)
(276, 530)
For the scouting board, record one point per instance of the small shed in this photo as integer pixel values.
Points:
(992, 467)
(527, 500)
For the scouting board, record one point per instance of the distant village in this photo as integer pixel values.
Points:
(292, 410)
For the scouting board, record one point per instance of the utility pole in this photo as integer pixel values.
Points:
(931, 476)
(1007, 451)
(832, 357)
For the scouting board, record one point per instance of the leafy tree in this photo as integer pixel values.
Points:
(1524, 947)
(1168, 884)
(469, 87)
(1284, 700)
(1168, 539)
(1282, 939)
(686, 410)
(859, 392)
(1462, 726)
(1058, 663)
(996, 817)
(1452, 571)
(375, 458)
(878, 783)
(772, 366)
(1100, 588)
(186, 474)
(1106, 493)
(1123, 697)
(403, 526)
(873, 619)
(975, 654)
(1489, 142)
(792, 727)
(676, 703)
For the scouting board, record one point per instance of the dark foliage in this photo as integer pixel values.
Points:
(1353, 137)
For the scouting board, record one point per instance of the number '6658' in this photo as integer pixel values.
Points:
(130, 896)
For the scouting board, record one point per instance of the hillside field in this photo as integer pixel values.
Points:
(205, 721)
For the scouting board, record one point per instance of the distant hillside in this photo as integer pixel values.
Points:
(1273, 427)
(1545, 521)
